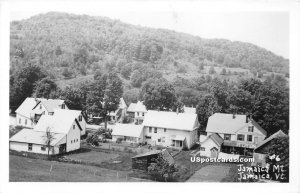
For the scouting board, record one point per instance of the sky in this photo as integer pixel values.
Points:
(267, 29)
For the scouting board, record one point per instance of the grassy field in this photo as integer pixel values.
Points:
(34, 170)
(188, 168)
(92, 156)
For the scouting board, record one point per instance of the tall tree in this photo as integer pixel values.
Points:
(44, 88)
(206, 107)
(49, 137)
(104, 96)
(161, 170)
(22, 84)
(160, 95)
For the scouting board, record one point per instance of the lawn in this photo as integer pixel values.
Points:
(93, 156)
(22, 169)
(187, 168)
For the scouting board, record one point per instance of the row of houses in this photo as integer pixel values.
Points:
(168, 129)
(227, 133)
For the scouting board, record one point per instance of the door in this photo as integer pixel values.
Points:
(213, 152)
(62, 148)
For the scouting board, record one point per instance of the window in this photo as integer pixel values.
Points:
(19, 120)
(150, 129)
(143, 114)
(29, 146)
(227, 137)
(180, 143)
(159, 140)
(155, 130)
(41, 106)
(148, 137)
(240, 137)
(249, 138)
(63, 106)
(25, 121)
(71, 141)
(250, 128)
(73, 126)
(43, 148)
(163, 139)
(202, 148)
(77, 140)
(80, 118)
(165, 130)
(138, 114)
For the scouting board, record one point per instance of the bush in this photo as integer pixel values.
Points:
(119, 140)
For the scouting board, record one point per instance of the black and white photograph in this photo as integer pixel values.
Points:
(151, 92)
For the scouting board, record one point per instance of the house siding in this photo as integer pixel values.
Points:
(208, 145)
(244, 131)
(73, 138)
(190, 136)
(21, 120)
(36, 148)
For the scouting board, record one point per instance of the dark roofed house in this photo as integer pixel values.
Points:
(262, 150)
(142, 161)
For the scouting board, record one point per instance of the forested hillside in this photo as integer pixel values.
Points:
(70, 45)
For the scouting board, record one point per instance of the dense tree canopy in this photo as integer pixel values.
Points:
(45, 88)
(22, 84)
(159, 94)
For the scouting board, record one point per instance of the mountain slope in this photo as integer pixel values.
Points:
(82, 44)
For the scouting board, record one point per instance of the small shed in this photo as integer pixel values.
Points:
(142, 161)
(262, 150)
(211, 146)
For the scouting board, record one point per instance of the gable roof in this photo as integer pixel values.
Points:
(191, 110)
(26, 107)
(275, 135)
(225, 123)
(216, 138)
(60, 122)
(35, 137)
(137, 107)
(29, 105)
(129, 130)
(52, 104)
(122, 103)
(170, 120)
(131, 107)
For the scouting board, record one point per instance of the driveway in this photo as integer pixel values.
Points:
(210, 173)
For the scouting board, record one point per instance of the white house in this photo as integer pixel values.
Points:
(29, 140)
(30, 111)
(211, 146)
(119, 114)
(64, 125)
(137, 112)
(170, 129)
(128, 133)
(191, 110)
(240, 133)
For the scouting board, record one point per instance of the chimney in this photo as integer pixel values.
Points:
(233, 116)
(247, 116)
(177, 110)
